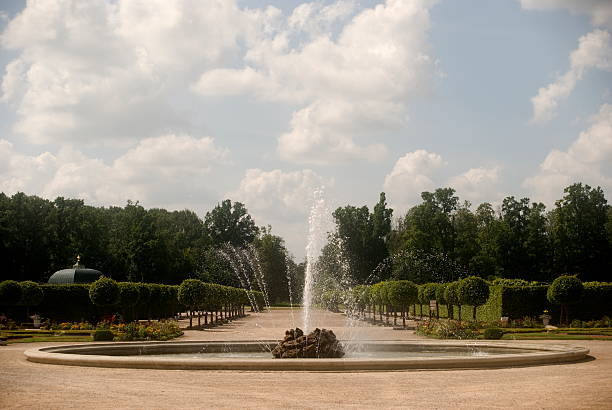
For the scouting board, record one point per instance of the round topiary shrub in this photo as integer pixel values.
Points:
(473, 291)
(429, 294)
(493, 333)
(103, 335)
(129, 294)
(191, 294)
(104, 292)
(10, 293)
(564, 291)
(452, 298)
(402, 293)
(31, 294)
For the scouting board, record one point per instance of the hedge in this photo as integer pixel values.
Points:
(517, 302)
(71, 303)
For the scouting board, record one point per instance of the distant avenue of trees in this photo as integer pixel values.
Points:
(439, 240)
(39, 237)
(442, 239)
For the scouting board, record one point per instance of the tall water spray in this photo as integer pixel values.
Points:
(319, 223)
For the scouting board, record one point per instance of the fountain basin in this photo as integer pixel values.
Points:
(379, 355)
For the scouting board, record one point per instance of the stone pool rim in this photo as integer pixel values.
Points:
(543, 354)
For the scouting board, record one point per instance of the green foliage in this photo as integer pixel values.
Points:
(230, 223)
(578, 231)
(441, 293)
(273, 260)
(402, 293)
(67, 303)
(191, 293)
(421, 267)
(104, 292)
(514, 282)
(451, 293)
(128, 294)
(446, 329)
(103, 335)
(473, 291)
(429, 291)
(362, 236)
(493, 333)
(10, 293)
(31, 294)
(565, 290)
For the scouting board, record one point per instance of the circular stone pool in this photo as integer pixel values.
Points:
(379, 355)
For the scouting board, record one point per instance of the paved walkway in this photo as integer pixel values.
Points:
(583, 385)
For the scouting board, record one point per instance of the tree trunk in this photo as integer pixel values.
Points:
(459, 311)
(394, 317)
(404, 316)
(474, 314)
(190, 319)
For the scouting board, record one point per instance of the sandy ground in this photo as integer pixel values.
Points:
(583, 385)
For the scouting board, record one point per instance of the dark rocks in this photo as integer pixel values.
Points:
(320, 343)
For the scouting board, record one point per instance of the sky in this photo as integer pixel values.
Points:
(181, 104)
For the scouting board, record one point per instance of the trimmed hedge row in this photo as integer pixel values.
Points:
(502, 299)
(71, 303)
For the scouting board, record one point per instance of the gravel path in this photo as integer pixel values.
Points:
(28, 385)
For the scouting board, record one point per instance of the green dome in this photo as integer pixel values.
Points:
(77, 274)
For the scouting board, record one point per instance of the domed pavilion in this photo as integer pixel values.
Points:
(77, 274)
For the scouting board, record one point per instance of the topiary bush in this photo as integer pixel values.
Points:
(128, 298)
(191, 294)
(452, 298)
(402, 293)
(429, 294)
(10, 293)
(104, 292)
(473, 291)
(493, 333)
(31, 295)
(564, 291)
(103, 335)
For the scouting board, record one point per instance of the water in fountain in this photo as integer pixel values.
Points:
(232, 256)
(319, 224)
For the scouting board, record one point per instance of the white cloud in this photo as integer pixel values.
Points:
(594, 51)
(282, 200)
(588, 160)
(92, 71)
(600, 11)
(155, 171)
(353, 84)
(412, 174)
(278, 195)
(477, 185)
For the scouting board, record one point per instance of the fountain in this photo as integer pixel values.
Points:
(319, 350)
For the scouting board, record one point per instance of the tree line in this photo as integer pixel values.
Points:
(40, 236)
(443, 239)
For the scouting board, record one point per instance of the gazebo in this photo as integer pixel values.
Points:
(77, 274)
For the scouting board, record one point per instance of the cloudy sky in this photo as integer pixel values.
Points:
(180, 104)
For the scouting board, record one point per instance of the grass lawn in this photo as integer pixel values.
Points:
(31, 336)
(558, 334)
(64, 338)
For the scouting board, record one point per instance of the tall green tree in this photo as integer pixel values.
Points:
(273, 257)
(580, 241)
(230, 223)
(363, 236)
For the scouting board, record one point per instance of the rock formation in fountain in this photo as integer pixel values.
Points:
(320, 343)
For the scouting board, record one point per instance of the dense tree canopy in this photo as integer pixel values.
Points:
(230, 223)
(39, 237)
(519, 240)
(363, 237)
